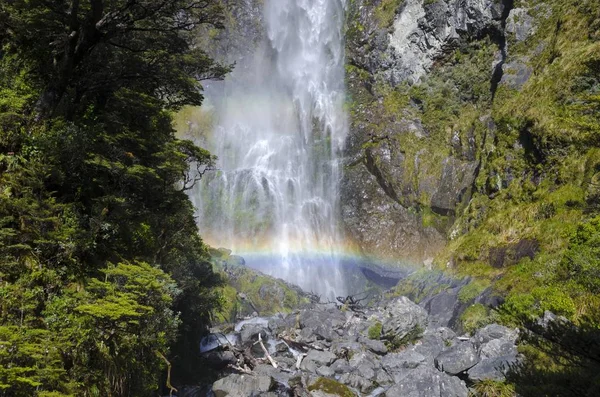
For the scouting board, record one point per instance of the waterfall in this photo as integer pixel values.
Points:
(279, 128)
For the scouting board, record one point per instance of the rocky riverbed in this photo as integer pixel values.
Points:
(390, 349)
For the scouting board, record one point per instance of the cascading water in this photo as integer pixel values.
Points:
(280, 125)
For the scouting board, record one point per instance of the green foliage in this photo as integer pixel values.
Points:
(91, 174)
(374, 331)
(581, 263)
(386, 11)
(474, 317)
(395, 342)
(332, 387)
(492, 388)
(471, 291)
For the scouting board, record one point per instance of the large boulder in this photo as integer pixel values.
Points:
(425, 381)
(494, 332)
(242, 385)
(457, 358)
(491, 368)
(497, 348)
(401, 316)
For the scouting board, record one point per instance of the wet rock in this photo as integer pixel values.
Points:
(220, 359)
(249, 334)
(242, 385)
(457, 358)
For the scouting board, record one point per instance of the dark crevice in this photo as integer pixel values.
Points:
(499, 37)
(376, 172)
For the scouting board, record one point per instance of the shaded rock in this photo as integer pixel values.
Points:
(242, 385)
(220, 359)
(441, 308)
(457, 358)
(249, 334)
(494, 331)
(497, 348)
(516, 73)
(341, 366)
(457, 177)
(491, 368)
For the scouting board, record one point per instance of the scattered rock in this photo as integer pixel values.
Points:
(242, 385)
(457, 358)
(401, 316)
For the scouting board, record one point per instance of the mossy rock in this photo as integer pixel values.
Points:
(332, 387)
(248, 290)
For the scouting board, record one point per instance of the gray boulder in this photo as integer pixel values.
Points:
(457, 358)
(402, 316)
(242, 385)
(492, 332)
(491, 368)
(376, 346)
(249, 334)
(425, 381)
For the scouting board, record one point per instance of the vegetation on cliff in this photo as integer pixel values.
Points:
(102, 272)
(527, 225)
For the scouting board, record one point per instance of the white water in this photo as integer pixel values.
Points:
(280, 125)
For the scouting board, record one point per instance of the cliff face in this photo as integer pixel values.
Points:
(457, 117)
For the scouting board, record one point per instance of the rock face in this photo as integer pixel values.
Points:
(403, 189)
(347, 362)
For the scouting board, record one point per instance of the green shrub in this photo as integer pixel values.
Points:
(492, 388)
(475, 317)
(374, 331)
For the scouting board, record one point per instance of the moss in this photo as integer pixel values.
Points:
(386, 11)
(492, 388)
(331, 386)
(374, 331)
(474, 317)
(472, 290)
(263, 293)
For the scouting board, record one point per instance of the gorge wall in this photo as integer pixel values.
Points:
(457, 143)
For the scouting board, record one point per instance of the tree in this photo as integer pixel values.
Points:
(91, 174)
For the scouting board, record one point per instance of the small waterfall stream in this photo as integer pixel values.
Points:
(280, 126)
